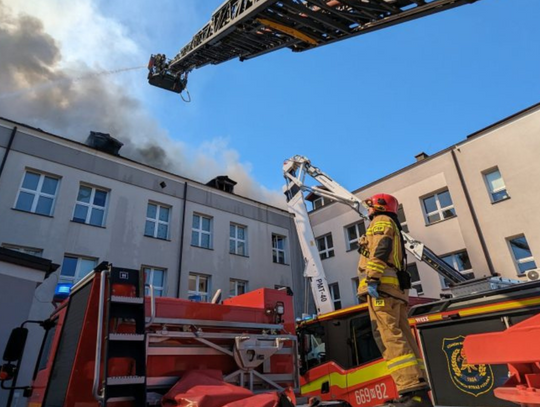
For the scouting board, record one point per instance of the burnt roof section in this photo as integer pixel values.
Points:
(27, 260)
(223, 183)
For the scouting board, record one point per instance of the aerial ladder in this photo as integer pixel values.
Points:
(295, 171)
(246, 29)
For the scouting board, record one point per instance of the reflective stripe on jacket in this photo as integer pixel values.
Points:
(380, 253)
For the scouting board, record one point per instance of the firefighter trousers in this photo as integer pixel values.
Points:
(393, 335)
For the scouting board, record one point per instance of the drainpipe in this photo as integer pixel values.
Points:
(473, 214)
(10, 142)
(182, 229)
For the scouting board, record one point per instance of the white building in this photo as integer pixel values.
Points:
(473, 204)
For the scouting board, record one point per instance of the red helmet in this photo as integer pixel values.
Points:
(383, 203)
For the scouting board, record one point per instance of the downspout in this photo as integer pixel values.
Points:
(8, 149)
(473, 214)
(182, 229)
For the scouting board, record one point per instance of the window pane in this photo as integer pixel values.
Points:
(241, 288)
(448, 213)
(164, 214)
(232, 246)
(433, 218)
(86, 267)
(413, 271)
(151, 211)
(462, 261)
(232, 231)
(195, 238)
(527, 265)
(49, 185)
(241, 249)
(445, 199)
(205, 240)
(44, 205)
(30, 181)
(401, 214)
(497, 196)
(329, 241)
(205, 224)
(162, 231)
(192, 285)
(241, 234)
(96, 217)
(281, 257)
(69, 266)
(196, 221)
(494, 180)
(232, 288)
(147, 273)
(202, 284)
(158, 278)
(99, 198)
(351, 233)
(84, 194)
(80, 213)
(430, 204)
(24, 201)
(321, 244)
(419, 288)
(520, 247)
(149, 228)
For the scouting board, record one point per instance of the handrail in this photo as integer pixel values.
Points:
(99, 337)
(152, 305)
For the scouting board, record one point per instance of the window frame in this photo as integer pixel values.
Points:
(236, 240)
(149, 279)
(76, 277)
(236, 283)
(416, 283)
(32, 251)
(90, 205)
(37, 193)
(351, 242)
(157, 220)
(202, 294)
(276, 250)
(328, 252)
(465, 272)
(496, 191)
(202, 232)
(317, 203)
(336, 301)
(517, 261)
(401, 213)
(440, 210)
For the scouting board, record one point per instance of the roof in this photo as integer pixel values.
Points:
(28, 261)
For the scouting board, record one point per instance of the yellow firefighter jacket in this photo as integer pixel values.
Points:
(380, 257)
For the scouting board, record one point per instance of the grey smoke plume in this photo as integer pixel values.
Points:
(36, 89)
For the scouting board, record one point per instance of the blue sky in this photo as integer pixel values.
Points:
(359, 109)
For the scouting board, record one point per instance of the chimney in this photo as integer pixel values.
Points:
(421, 156)
(223, 183)
(104, 142)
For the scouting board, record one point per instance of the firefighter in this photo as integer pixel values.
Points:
(384, 284)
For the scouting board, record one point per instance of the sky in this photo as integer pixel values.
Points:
(360, 109)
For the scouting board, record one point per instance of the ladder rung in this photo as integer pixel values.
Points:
(127, 300)
(126, 337)
(123, 380)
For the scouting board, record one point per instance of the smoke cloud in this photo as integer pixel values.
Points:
(68, 97)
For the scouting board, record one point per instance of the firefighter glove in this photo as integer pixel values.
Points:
(372, 289)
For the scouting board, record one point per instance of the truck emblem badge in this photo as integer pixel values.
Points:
(471, 379)
(124, 275)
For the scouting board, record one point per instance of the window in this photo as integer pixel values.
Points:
(318, 203)
(156, 277)
(157, 221)
(278, 249)
(27, 250)
(336, 297)
(201, 231)
(402, 219)
(460, 262)
(415, 278)
(495, 184)
(438, 207)
(352, 233)
(326, 246)
(198, 287)
(237, 239)
(75, 268)
(522, 254)
(364, 347)
(37, 193)
(237, 287)
(90, 207)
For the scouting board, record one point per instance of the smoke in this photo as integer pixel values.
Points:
(69, 97)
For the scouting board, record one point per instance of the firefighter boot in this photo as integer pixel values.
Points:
(419, 398)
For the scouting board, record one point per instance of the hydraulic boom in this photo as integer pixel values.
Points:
(295, 171)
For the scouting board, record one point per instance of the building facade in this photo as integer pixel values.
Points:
(472, 204)
(78, 206)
